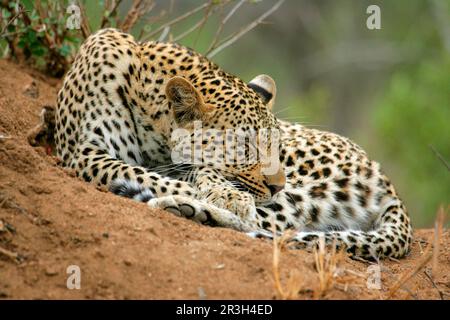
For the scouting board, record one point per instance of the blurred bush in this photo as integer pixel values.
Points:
(411, 119)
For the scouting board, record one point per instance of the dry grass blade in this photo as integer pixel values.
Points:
(233, 38)
(431, 254)
(408, 275)
(326, 266)
(294, 281)
(430, 277)
(438, 229)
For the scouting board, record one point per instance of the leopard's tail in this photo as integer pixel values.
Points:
(391, 238)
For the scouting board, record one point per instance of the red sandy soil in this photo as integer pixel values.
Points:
(49, 220)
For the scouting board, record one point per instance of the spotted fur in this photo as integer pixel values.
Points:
(121, 101)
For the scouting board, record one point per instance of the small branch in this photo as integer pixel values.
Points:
(112, 11)
(151, 21)
(189, 31)
(85, 29)
(137, 10)
(440, 157)
(222, 24)
(245, 30)
(12, 255)
(164, 34)
(208, 11)
(174, 21)
(21, 11)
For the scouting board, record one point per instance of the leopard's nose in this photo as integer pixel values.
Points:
(275, 182)
(274, 189)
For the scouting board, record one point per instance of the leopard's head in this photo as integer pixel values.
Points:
(228, 125)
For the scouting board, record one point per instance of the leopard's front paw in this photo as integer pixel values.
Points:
(238, 202)
(201, 212)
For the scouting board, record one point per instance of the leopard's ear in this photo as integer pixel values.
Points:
(187, 103)
(265, 87)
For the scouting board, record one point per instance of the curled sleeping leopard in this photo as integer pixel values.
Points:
(122, 102)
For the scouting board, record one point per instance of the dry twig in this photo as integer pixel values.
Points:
(222, 24)
(137, 10)
(198, 25)
(21, 11)
(294, 281)
(84, 25)
(236, 36)
(430, 277)
(408, 275)
(440, 157)
(12, 255)
(175, 21)
(326, 266)
(111, 9)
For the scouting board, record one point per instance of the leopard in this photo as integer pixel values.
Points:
(122, 101)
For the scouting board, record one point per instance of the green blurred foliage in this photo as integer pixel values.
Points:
(413, 115)
(43, 41)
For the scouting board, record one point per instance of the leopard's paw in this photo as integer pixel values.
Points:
(199, 211)
(238, 202)
(180, 206)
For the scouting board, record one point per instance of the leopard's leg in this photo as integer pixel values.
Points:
(218, 207)
(97, 166)
(161, 192)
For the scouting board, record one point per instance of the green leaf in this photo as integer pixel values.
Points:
(31, 36)
(22, 43)
(6, 14)
(12, 4)
(38, 50)
(65, 50)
